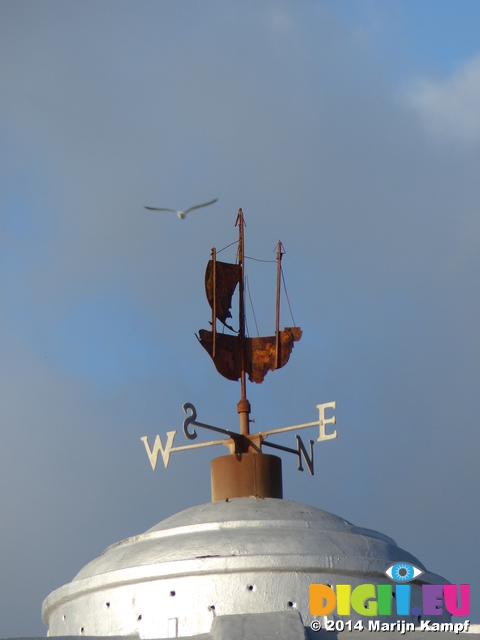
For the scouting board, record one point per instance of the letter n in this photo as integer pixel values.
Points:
(153, 455)
(302, 451)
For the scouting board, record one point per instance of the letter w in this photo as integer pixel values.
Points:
(153, 455)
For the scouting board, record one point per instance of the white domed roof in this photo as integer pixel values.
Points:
(239, 556)
(246, 527)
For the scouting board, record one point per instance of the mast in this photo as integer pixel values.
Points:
(277, 318)
(243, 406)
(214, 306)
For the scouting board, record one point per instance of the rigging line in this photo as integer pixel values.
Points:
(253, 310)
(247, 330)
(228, 245)
(286, 295)
(258, 259)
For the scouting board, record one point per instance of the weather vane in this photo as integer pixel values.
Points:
(246, 470)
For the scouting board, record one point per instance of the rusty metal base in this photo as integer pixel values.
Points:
(246, 474)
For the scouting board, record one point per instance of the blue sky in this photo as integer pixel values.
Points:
(434, 35)
(349, 130)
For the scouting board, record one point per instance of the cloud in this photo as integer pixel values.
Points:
(450, 108)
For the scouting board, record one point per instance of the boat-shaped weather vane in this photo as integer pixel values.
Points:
(246, 470)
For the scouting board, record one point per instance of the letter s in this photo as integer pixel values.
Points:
(188, 420)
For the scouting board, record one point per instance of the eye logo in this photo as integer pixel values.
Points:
(403, 572)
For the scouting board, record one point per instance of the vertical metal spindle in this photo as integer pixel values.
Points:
(214, 308)
(277, 317)
(243, 407)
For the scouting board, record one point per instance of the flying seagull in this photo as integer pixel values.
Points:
(182, 214)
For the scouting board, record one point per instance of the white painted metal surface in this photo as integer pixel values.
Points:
(222, 558)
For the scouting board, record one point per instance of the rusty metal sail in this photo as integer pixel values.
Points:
(221, 279)
(260, 353)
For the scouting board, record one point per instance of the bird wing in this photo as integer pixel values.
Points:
(162, 209)
(197, 206)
